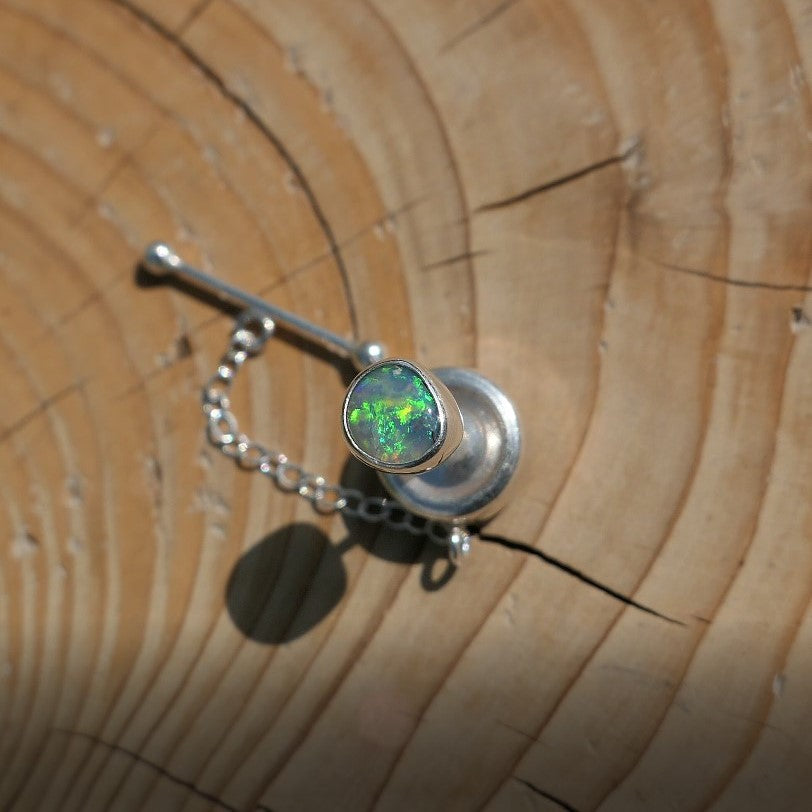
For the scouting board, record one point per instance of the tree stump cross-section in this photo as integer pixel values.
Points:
(603, 207)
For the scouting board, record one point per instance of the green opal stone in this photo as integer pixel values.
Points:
(392, 416)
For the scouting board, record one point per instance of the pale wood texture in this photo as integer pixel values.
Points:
(603, 206)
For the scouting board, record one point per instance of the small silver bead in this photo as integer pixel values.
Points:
(368, 353)
(159, 259)
(459, 545)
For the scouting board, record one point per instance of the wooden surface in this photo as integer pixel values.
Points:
(604, 207)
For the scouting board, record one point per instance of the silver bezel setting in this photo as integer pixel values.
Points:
(476, 481)
(450, 423)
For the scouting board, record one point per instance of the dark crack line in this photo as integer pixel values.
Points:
(193, 15)
(94, 198)
(390, 215)
(80, 308)
(162, 771)
(274, 140)
(442, 263)
(41, 407)
(547, 795)
(576, 573)
(479, 24)
(560, 181)
(726, 280)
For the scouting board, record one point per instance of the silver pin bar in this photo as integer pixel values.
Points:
(160, 260)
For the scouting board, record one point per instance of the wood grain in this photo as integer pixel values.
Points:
(605, 208)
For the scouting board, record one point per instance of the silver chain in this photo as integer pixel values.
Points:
(251, 332)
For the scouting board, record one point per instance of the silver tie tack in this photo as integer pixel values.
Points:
(445, 442)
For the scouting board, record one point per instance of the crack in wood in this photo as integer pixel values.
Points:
(41, 407)
(192, 16)
(478, 25)
(162, 771)
(442, 263)
(576, 573)
(562, 180)
(549, 796)
(389, 217)
(726, 280)
(220, 84)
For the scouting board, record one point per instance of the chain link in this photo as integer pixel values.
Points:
(250, 333)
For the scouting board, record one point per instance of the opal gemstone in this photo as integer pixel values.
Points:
(392, 415)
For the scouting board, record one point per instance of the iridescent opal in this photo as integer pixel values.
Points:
(392, 416)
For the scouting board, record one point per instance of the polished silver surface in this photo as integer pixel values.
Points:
(449, 435)
(473, 483)
(368, 353)
(459, 545)
(159, 259)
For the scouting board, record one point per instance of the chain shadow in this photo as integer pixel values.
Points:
(291, 580)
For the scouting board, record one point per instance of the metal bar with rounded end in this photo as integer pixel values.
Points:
(160, 260)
